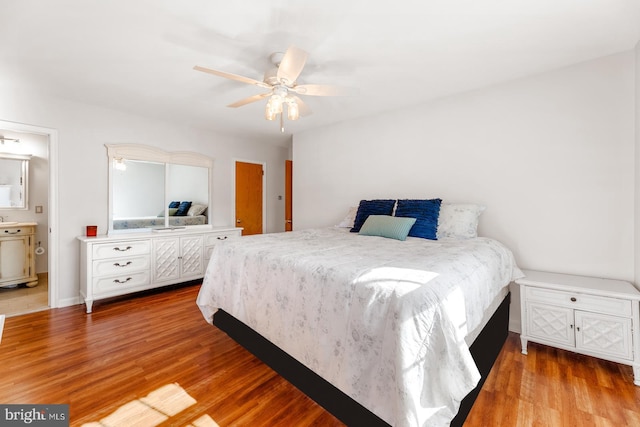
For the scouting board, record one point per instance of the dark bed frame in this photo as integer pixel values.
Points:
(484, 350)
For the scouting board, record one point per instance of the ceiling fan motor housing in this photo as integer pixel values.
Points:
(271, 76)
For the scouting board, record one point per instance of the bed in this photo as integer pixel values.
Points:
(378, 331)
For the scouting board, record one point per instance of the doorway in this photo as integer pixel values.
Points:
(42, 209)
(288, 195)
(249, 211)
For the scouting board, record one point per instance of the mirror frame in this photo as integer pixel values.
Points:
(153, 154)
(24, 169)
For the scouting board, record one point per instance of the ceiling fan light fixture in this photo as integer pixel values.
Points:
(281, 79)
(269, 114)
(293, 112)
(274, 107)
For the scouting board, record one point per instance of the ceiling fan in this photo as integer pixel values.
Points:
(281, 80)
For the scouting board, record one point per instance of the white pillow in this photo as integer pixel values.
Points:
(348, 220)
(196, 210)
(459, 221)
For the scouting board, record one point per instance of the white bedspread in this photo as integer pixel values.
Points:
(382, 320)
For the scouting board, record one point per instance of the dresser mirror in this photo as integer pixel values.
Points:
(154, 189)
(14, 179)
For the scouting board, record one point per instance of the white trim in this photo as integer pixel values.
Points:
(264, 190)
(154, 154)
(53, 201)
(1, 325)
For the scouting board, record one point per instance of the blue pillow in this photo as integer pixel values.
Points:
(183, 209)
(387, 226)
(371, 207)
(174, 205)
(426, 213)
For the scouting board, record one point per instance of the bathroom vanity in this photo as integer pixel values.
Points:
(17, 254)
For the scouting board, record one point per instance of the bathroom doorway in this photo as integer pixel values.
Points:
(41, 144)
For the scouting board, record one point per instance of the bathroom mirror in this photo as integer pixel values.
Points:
(146, 182)
(14, 181)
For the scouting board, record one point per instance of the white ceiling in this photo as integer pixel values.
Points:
(138, 55)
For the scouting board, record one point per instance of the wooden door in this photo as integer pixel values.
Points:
(249, 197)
(288, 196)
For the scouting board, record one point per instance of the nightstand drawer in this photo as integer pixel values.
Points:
(576, 300)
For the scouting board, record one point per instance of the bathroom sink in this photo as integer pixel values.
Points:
(8, 223)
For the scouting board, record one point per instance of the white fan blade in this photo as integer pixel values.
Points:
(231, 76)
(249, 100)
(320, 90)
(291, 65)
(303, 109)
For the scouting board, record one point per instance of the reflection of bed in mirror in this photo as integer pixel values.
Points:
(195, 215)
(175, 221)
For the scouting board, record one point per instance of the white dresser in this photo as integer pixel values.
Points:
(126, 263)
(587, 315)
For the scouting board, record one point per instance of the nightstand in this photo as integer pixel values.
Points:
(586, 315)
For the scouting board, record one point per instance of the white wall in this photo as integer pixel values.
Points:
(82, 176)
(551, 156)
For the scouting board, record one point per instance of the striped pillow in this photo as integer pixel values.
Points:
(371, 207)
(426, 213)
(391, 227)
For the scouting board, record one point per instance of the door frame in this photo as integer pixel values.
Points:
(52, 135)
(264, 190)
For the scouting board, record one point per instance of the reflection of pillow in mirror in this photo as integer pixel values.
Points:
(196, 210)
(183, 208)
(174, 204)
(172, 212)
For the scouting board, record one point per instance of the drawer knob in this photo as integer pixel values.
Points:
(222, 237)
(573, 299)
(122, 281)
(117, 248)
(117, 264)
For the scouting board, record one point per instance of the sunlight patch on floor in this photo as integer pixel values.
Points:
(154, 409)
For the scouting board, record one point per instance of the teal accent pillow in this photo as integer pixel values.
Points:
(392, 227)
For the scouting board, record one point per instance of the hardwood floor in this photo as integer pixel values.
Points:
(551, 387)
(129, 347)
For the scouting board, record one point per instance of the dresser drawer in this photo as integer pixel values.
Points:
(122, 282)
(212, 239)
(120, 266)
(121, 249)
(580, 301)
